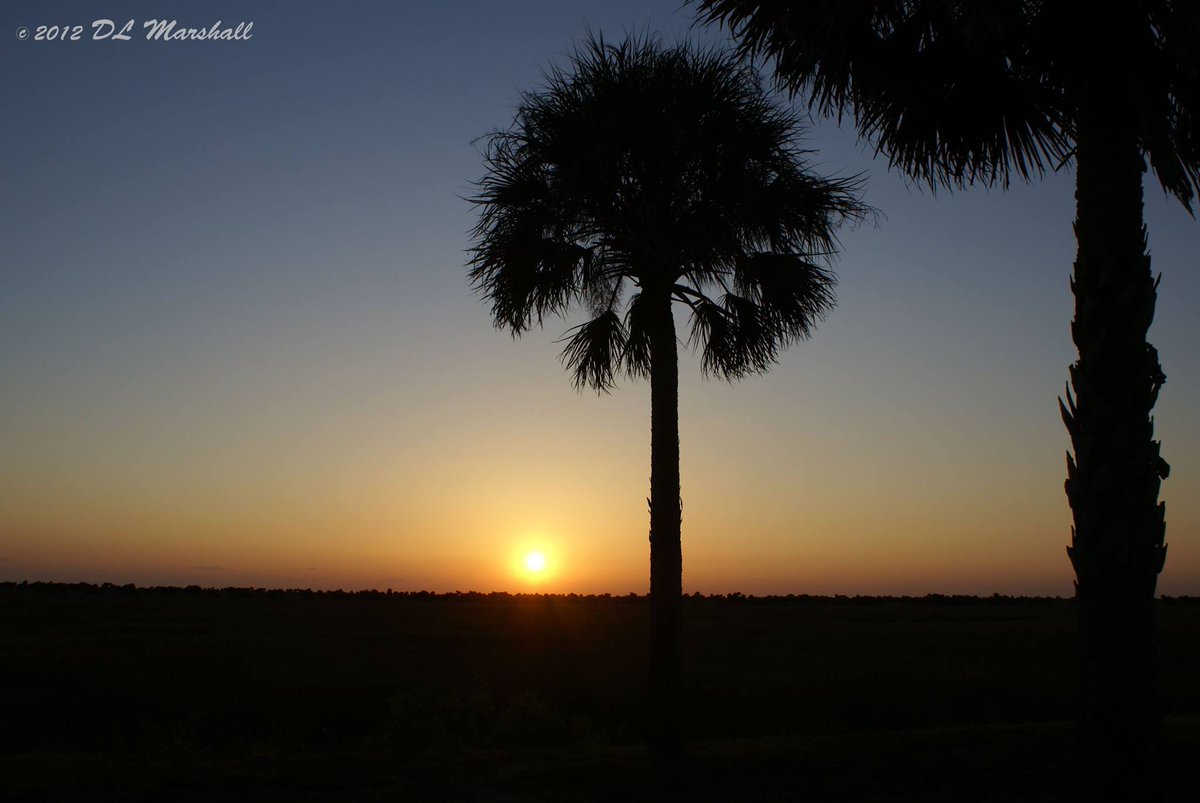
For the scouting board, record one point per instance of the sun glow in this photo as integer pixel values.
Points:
(535, 562)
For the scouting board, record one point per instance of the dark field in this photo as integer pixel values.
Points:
(121, 694)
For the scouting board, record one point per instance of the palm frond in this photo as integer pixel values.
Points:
(737, 337)
(940, 88)
(636, 358)
(794, 292)
(594, 352)
(527, 276)
(1172, 138)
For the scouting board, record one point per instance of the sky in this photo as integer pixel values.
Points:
(238, 345)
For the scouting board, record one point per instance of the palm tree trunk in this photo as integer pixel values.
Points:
(1113, 478)
(666, 557)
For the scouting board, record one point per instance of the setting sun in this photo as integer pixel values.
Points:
(535, 562)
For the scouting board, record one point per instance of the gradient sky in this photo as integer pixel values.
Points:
(238, 345)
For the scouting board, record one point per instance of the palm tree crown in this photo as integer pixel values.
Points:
(645, 172)
(962, 92)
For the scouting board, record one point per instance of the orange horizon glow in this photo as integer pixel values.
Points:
(395, 515)
(882, 561)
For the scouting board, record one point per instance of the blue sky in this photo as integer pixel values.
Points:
(238, 343)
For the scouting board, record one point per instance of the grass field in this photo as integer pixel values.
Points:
(158, 694)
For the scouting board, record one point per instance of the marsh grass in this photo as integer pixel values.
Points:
(242, 695)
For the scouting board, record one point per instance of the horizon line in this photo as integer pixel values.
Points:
(732, 596)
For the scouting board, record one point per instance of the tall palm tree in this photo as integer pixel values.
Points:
(640, 178)
(956, 92)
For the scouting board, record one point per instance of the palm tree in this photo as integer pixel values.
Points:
(640, 178)
(955, 92)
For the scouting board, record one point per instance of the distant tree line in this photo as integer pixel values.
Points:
(735, 597)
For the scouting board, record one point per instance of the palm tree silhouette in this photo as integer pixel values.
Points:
(642, 177)
(956, 92)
